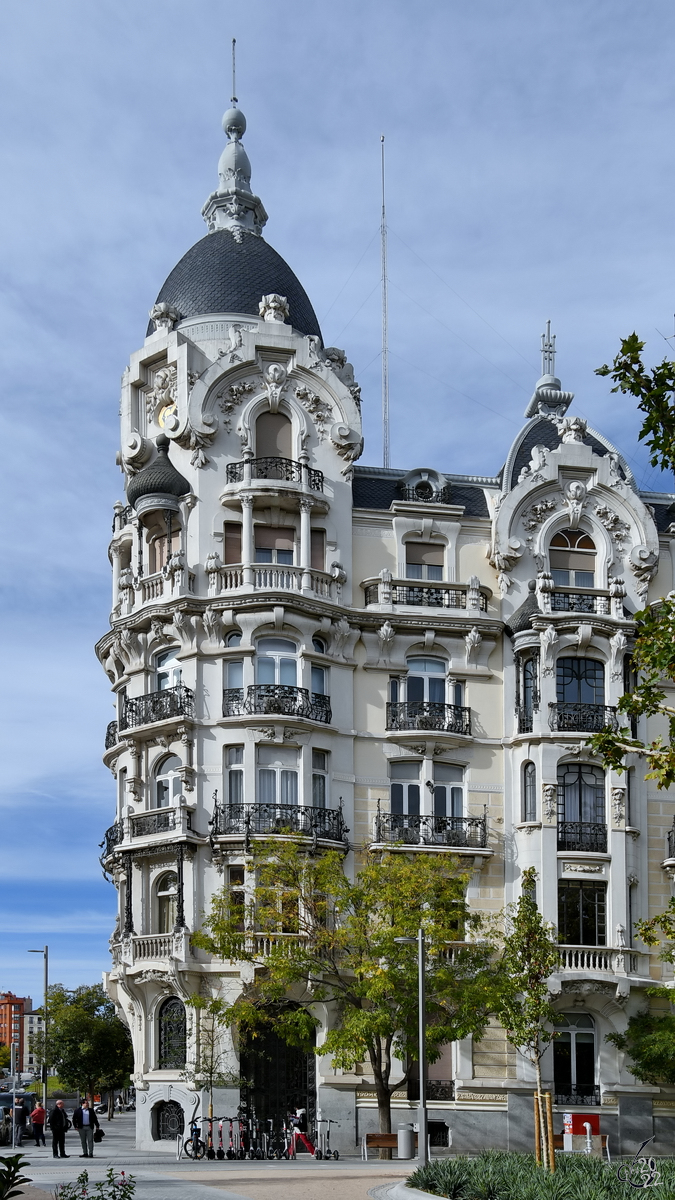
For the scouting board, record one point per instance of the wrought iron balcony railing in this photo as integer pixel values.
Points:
(425, 494)
(417, 830)
(427, 714)
(582, 835)
(524, 716)
(575, 717)
(241, 820)
(582, 602)
(112, 736)
(671, 842)
(177, 701)
(276, 699)
(287, 470)
(581, 1094)
(424, 595)
(111, 838)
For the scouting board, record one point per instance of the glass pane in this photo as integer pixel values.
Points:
(393, 691)
(288, 672)
(397, 797)
(265, 669)
(267, 791)
(271, 645)
(176, 785)
(235, 793)
(162, 793)
(415, 688)
(289, 787)
(413, 799)
(585, 1060)
(285, 558)
(235, 674)
(440, 800)
(437, 691)
(562, 1063)
(318, 681)
(584, 579)
(457, 801)
(235, 755)
(319, 791)
(262, 555)
(232, 542)
(280, 756)
(448, 773)
(434, 572)
(405, 770)
(413, 571)
(561, 578)
(427, 666)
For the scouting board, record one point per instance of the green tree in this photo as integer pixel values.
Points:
(529, 957)
(654, 652)
(316, 936)
(5, 1055)
(86, 1042)
(649, 1040)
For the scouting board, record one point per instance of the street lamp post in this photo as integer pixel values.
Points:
(422, 1145)
(45, 953)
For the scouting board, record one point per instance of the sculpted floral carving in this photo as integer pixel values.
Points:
(347, 442)
(549, 795)
(473, 642)
(232, 399)
(164, 316)
(319, 410)
(643, 563)
(618, 645)
(618, 804)
(274, 308)
(548, 639)
(503, 559)
(386, 637)
(538, 513)
(575, 500)
(618, 529)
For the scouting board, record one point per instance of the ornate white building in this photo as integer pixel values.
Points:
(374, 657)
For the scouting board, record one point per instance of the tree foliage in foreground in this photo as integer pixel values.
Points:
(654, 653)
(336, 944)
(649, 1040)
(86, 1041)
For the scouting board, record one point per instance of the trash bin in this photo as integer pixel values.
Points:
(405, 1141)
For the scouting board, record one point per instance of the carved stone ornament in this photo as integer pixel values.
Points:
(135, 452)
(347, 442)
(164, 391)
(643, 563)
(274, 308)
(571, 429)
(473, 642)
(548, 639)
(549, 795)
(618, 645)
(617, 528)
(575, 499)
(386, 636)
(340, 632)
(275, 379)
(213, 624)
(164, 316)
(618, 804)
(319, 410)
(235, 342)
(232, 399)
(532, 472)
(583, 868)
(503, 559)
(538, 513)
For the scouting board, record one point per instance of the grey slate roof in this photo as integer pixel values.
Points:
(159, 478)
(222, 275)
(544, 433)
(379, 490)
(522, 617)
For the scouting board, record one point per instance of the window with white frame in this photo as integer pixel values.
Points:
(168, 783)
(529, 792)
(448, 790)
(234, 766)
(425, 681)
(423, 561)
(277, 775)
(274, 545)
(168, 669)
(405, 787)
(167, 893)
(276, 661)
(572, 557)
(319, 778)
(574, 1059)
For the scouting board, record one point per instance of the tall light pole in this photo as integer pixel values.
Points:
(45, 953)
(422, 1147)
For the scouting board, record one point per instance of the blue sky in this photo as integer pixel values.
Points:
(530, 175)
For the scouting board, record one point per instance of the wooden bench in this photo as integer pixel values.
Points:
(381, 1141)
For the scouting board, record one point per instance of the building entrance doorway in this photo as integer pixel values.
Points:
(281, 1079)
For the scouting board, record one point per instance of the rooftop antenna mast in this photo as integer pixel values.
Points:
(385, 327)
(234, 76)
(548, 351)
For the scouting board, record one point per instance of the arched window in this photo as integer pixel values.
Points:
(168, 783)
(529, 792)
(574, 1059)
(167, 892)
(273, 436)
(276, 661)
(172, 1030)
(168, 669)
(572, 556)
(168, 1121)
(426, 680)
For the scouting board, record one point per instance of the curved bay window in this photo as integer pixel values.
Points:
(580, 696)
(527, 690)
(529, 793)
(581, 808)
(172, 1031)
(168, 783)
(572, 558)
(582, 913)
(168, 668)
(574, 1060)
(167, 898)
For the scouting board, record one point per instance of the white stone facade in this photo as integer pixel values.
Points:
(364, 644)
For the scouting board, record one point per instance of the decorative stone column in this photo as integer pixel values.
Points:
(306, 543)
(247, 552)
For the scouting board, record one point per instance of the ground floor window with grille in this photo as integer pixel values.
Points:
(172, 1035)
(574, 1060)
(582, 913)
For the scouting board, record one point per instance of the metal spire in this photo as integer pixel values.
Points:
(385, 330)
(234, 76)
(548, 351)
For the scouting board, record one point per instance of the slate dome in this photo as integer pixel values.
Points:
(227, 274)
(159, 478)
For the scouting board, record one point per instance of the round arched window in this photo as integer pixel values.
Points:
(168, 781)
(172, 1035)
(572, 555)
(167, 892)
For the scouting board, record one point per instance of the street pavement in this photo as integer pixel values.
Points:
(158, 1175)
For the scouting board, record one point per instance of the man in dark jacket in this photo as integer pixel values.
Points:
(20, 1114)
(59, 1124)
(85, 1122)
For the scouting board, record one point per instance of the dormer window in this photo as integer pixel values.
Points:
(572, 555)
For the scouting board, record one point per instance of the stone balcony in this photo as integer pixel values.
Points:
(386, 593)
(223, 579)
(241, 822)
(274, 470)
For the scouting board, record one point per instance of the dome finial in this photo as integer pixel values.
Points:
(233, 206)
(549, 400)
(234, 72)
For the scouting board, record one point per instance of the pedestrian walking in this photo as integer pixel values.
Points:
(85, 1122)
(20, 1116)
(299, 1126)
(59, 1124)
(37, 1118)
